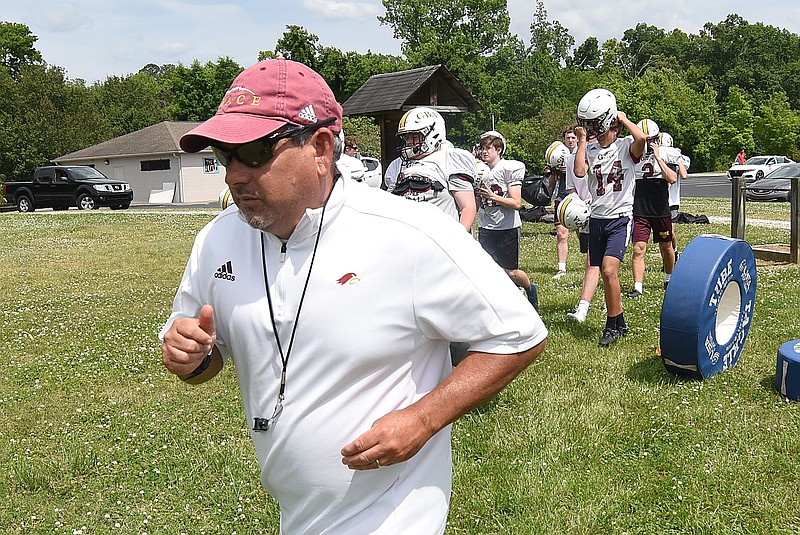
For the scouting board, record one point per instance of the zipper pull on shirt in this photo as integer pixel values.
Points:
(282, 256)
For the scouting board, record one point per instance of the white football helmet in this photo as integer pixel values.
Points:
(556, 155)
(572, 212)
(495, 133)
(597, 112)
(650, 128)
(425, 121)
(665, 140)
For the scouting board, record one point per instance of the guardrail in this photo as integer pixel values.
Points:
(739, 218)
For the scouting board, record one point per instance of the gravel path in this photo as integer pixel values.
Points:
(750, 221)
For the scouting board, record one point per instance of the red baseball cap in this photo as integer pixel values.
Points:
(264, 97)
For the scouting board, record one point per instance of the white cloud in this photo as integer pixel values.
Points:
(171, 49)
(334, 9)
(94, 38)
(606, 21)
(65, 19)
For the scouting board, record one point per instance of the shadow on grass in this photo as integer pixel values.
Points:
(556, 319)
(536, 229)
(768, 383)
(651, 371)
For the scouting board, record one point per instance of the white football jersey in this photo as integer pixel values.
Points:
(431, 179)
(579, 184)
(673, 155)
(611, 178)
(504, 175)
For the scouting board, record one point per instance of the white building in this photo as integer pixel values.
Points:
(152, 162)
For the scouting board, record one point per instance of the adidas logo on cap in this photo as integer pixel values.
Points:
(308, 114)
(225, 272)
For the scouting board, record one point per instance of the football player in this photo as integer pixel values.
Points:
(562, 233)
(672, 153)
(430, 169)
(609, 165)
(651, 212)
(499, 222)
(591, 274)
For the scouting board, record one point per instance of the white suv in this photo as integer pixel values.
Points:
(757, 166)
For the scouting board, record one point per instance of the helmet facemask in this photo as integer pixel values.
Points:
(415, 144)
(598, 126)
(421, 132)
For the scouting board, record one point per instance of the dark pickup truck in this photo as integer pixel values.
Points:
(61, 186)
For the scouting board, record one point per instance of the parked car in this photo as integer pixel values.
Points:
(757, 167)
(775, 186)
(61, 186)
(374, 174)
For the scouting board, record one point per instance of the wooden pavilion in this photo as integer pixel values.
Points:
(388, 96)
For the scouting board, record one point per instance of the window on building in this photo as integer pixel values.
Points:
(155, 165)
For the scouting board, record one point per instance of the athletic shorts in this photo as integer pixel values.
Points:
(502, 246)
(608, 237)
(661, 228)
(583, 240)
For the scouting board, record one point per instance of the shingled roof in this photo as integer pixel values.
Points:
(159, 138)
(400, 90)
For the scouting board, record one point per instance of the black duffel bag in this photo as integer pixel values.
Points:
(536, 190)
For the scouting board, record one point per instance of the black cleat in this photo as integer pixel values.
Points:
(634, 294)
(609, 337)
(612, 335)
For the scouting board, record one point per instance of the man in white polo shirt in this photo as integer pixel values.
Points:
(337, 304)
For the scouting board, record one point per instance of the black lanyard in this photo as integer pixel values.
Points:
(262, 424)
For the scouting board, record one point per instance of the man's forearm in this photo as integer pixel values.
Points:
(580, 167)
(508, 202)
(474, 381)
(669, 175)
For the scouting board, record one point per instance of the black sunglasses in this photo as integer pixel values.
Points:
(258, 152)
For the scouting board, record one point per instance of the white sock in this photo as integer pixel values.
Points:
(638, 286)
(562, 266)
(667, 277)
(583, 306)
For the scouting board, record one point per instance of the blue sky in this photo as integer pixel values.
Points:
(93, 39)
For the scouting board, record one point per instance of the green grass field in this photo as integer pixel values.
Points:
(96, 437)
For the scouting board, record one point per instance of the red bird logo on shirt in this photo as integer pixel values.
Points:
(349, 278)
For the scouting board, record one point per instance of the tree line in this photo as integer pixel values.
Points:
(732, 85)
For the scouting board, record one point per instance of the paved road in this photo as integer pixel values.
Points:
(712, 185)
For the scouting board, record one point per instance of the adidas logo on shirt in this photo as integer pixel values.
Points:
(225, 272)
(308, 114)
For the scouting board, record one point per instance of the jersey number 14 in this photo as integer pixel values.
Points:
(615, 176)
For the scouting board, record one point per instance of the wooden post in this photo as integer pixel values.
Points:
(794, 218)
(738, 200)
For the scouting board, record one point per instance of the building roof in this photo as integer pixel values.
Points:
(395, 91)
(159, 138)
